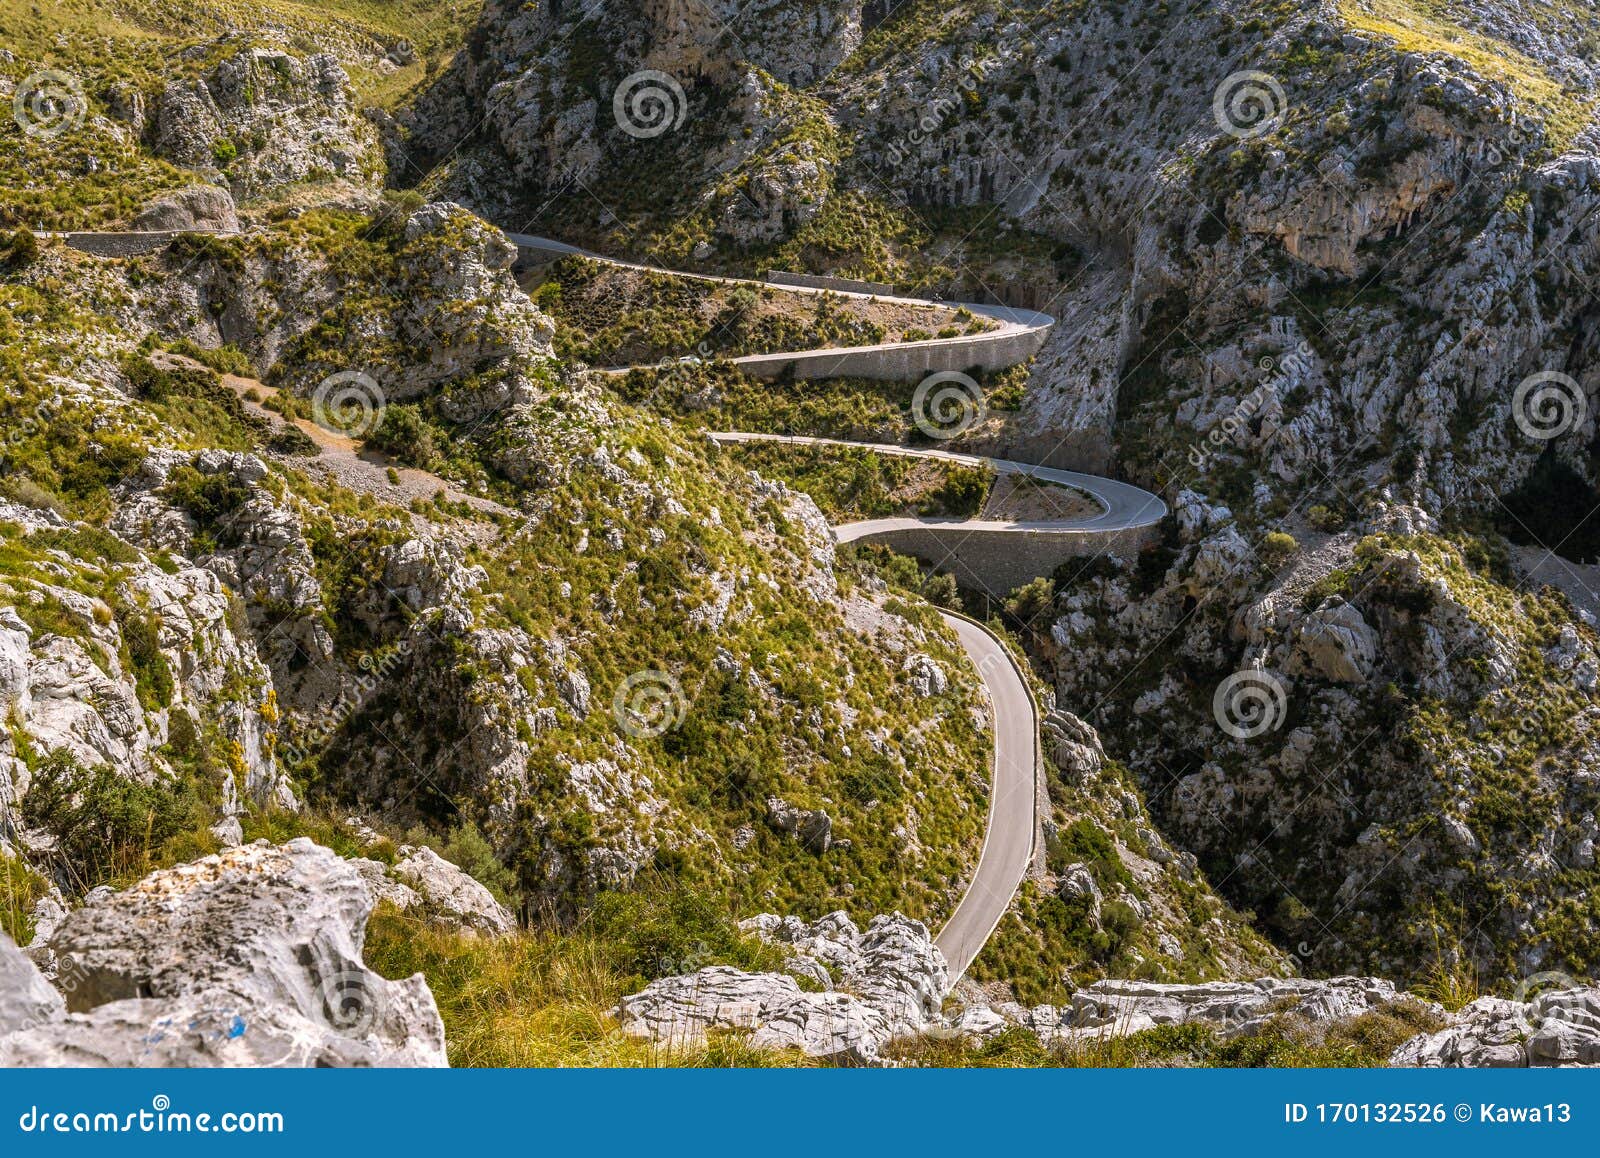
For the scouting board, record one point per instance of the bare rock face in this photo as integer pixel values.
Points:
(678, 1012)
(1336, 643)
(203, 208)
(454, 898)
(1073, 746)
(891, 981)
(251, 957)
(265, 118)
(1116, 1008)
(812, 827)
(26, 999)
(74, 691)
(1556, 1028)
(1235, 1008)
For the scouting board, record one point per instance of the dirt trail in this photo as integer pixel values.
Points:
(341, 457)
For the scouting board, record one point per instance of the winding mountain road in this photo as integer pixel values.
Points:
(1014, 336)
(1012, 823)
(1124, 507)
(1008, 839)
(1008, 843)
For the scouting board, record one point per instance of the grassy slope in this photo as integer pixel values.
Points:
(94, 177)
(1429, 26)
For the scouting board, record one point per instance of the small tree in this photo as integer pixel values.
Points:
(941, 591)
(404, 433)
(1032, 603)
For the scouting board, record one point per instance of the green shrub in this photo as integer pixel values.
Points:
(664, 928)
(1325, 518)
(941, 591)
(20, 889)
(227, 359)
(404, 433)
(141, 632)
(109, 827)
(1278, 548)
(210, 498)
(1032, 604)
(963, 493)
(18, 249)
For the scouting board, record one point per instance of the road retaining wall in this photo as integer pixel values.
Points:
(999, 561)
(121, 244)
(817, 281)
(906, 362)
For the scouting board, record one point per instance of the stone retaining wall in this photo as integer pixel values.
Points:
(122, 244)
(999, 562)
(906, 362)
(841, 284)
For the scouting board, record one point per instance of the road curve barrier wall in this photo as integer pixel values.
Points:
(905, 362)
(999, 561)
(123, 244)
(841, 284)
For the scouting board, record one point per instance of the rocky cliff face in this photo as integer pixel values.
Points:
(1335, 295)
(1324, 279)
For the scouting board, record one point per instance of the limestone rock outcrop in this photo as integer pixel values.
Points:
(251, 957)
(1559, 1027)
(890, 981)
(203, 208)
(452, 898)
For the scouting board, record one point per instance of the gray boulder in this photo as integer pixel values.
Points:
(250, 957)
(26, 999)
(1073, 746)
(199, 208)
(813, 827)
(892, 980)
(1556, 1028)
(1234, 1008)
(452, 897)
(679, 1011)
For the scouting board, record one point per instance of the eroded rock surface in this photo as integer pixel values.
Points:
(251, 957)
(890, 982)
